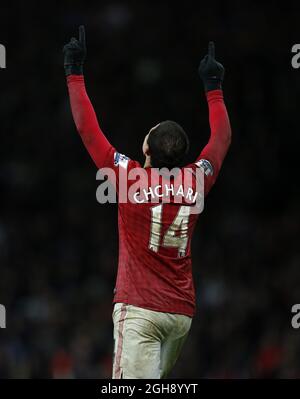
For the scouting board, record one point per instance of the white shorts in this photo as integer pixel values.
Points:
(146, 343)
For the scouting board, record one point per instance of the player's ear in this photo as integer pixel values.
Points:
(146, 152)
(146, 146)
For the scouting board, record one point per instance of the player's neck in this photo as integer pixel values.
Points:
(147, 163)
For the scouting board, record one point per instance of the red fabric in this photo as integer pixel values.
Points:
(220, 136)
(86, 121)
(157, 280)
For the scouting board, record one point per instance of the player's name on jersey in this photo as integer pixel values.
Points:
(137, 186)
(165, 191)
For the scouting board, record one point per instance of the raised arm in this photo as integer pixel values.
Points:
(212, 74)
(220, 131)
(83, 112)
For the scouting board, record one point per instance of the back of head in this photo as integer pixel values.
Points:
(168, 145)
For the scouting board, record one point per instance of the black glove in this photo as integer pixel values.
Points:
(74, 54)
(211, 72)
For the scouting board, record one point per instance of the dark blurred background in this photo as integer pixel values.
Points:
(58, 246)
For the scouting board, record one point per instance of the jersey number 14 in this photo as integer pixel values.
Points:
(176, 235)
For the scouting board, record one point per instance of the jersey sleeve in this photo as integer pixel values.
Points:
(101, 151)
(212, 156)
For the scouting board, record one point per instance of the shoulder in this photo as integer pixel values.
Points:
(124, 162)
(204, 164)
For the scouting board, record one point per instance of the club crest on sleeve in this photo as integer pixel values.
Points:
(121, 160)
(206, 166)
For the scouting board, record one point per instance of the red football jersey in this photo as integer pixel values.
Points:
(155, 264)
(155, 268)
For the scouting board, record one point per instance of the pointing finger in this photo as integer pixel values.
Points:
(211, 49)
(82, 34)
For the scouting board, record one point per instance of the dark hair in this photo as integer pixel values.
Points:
(168, 145)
